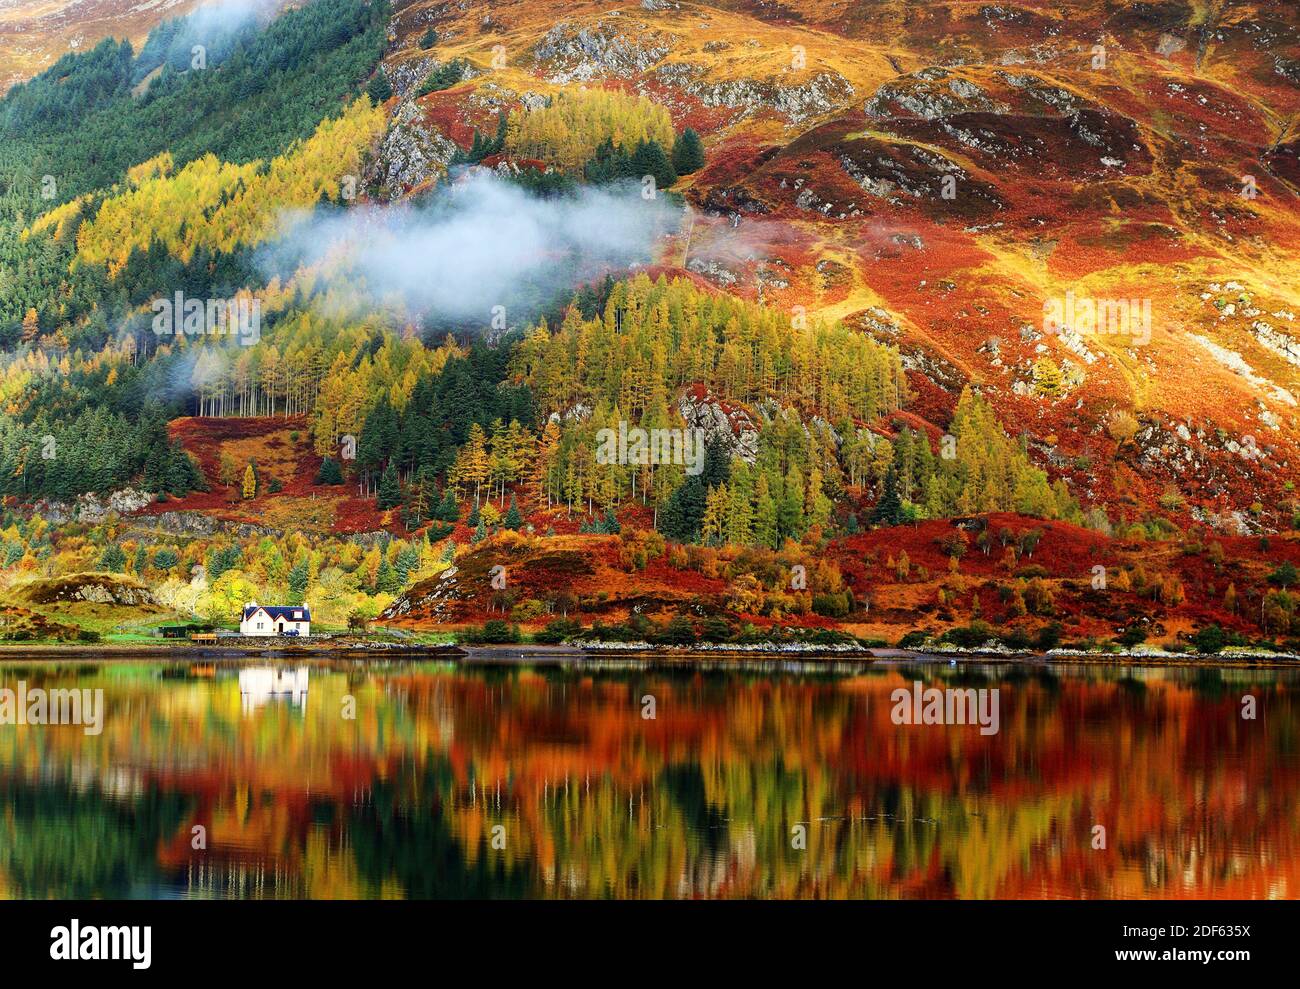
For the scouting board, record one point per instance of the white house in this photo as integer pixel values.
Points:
(271, 620)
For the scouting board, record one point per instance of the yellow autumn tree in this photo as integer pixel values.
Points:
(569, 128)
(222, 206)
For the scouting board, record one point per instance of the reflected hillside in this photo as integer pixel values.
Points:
(514, 782)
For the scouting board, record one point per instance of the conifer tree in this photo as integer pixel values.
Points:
(449, 510)
(513, 519)
(379, 89)
(889, 510)
(298, 578)
(390, 490)
(386, 580)
(330, 472)
(649, 159)
(112, 558)
(688, 152)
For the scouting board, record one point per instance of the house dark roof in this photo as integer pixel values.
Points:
(292, 613)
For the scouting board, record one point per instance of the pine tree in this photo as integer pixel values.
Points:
(331, 472)
(449, 510)
(472, 464)
(688, 152)
(379, 89)
(739, 526)
(889, 510)
(790, 507)
(390, 489)
(406, 563)
(513, 520)
(681, 514)
(298, 578)
(428, 39)
(650, 159)
(386, 581)
(713, 522)
(765, 523)
(112, 558)
(544, 463)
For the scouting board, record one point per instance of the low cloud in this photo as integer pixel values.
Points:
(482, 243)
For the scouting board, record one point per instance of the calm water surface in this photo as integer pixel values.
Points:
(442, 765)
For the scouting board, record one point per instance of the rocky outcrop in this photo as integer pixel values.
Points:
(610, 47)
(90, 588)
(195, 524)
(732, 425)
(714, 271)
(411, 152)
(815, 97)
(931, 94)
(93, 508)
(616, 46)
(433, 598)
(405, 76)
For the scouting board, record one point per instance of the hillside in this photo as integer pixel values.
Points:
(33, 35)
(922, 278)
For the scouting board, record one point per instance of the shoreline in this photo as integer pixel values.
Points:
(515, 653)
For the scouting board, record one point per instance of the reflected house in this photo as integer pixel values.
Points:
(257, 619)
(260, 684)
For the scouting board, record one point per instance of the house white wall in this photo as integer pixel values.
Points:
(260, 623)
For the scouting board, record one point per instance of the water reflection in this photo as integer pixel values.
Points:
(259, 685)
(549, 782)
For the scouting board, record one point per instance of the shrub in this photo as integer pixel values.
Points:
(497, 630)
(1017, 639)
(715, 630)
(494, 631)
(969, 637)
(1209, 639)
(558, 631)
(526, 611)
(1049, 637)
(1284, 576)
(1131, 636)
(678, 632)
(832, 605)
